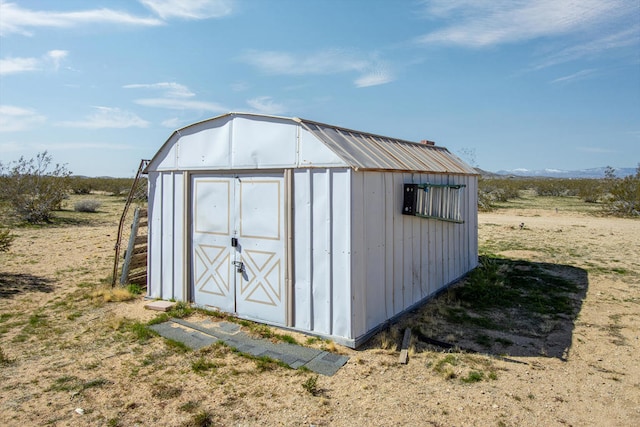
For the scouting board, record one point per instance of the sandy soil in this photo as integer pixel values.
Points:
(69, 358)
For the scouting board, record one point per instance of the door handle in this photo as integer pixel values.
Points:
(239, 266)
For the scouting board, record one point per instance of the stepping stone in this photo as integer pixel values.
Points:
(160, 305)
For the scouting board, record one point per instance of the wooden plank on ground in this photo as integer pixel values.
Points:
(404, 350)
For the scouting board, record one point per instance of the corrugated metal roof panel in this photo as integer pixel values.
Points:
(374, 152)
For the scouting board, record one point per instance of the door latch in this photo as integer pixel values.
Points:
(239, 266)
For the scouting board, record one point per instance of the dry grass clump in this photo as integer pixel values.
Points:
(4, 359)
(467, 368)
(389, 339)
(109, 294)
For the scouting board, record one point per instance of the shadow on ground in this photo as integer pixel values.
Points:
(505, 307)
(15, 284)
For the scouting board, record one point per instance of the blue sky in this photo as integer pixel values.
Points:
(503, 84)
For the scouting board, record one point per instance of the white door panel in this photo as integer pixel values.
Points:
(262, 242)
(212, 255)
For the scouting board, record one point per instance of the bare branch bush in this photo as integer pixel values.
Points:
(34, 188)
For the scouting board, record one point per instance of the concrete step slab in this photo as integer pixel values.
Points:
(199, 334)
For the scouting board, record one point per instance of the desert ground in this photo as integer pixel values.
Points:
(73, 355)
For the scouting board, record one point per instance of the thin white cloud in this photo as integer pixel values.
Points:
(239, 86)
(16, 19)
(108, 117)
(487, 23)
(192, 9)
(17, 65)
(169, 89)
(325, 62)
(180, 104)
(51, 59)
(266, 105)
(378, 76)
(172, 123)
(593, 47)
(15, 119)
(56, 57)
(580, 75)
(80, 146)
(174, 97)
(330, 61)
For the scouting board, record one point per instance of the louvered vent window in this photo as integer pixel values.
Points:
(438, 201)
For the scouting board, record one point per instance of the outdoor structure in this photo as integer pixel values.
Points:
(304, 225)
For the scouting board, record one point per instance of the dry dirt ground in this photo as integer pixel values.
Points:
(70, 358)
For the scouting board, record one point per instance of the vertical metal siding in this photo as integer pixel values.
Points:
(179, 246)
(416, 254)
(154, 272)
(407, 254)
(398, 180)
(425, 254)
(302, 235)
(168, 223)
(358, 257)
(322, 291)
(341, 252)
(166, 259)
(321, 282)
(390, 206)
(374, 222)
(432, 244)
(399, 260)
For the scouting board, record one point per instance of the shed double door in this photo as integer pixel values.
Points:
(237, 250)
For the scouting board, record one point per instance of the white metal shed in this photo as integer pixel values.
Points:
(305, 225)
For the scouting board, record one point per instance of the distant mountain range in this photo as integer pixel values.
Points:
(558, 173)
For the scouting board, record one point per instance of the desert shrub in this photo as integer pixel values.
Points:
(6, 238)
(81, 185)
(551, 187)
(485, 201)
(589, 190)
(624, 195)
(32, 189)
(88, 205)
(493, 190)
(113, 186)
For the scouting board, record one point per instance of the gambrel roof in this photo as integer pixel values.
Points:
(297, 142)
